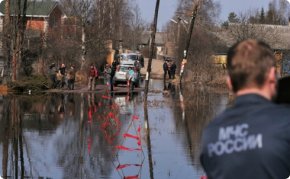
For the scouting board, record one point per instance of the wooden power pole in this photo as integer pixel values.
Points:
(184, 60)
(152, 47)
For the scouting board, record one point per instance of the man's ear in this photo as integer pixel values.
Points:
(229, 83)
(272, 76)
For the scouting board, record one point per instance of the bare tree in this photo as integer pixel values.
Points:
(18, 36)
(82, 9)
(203, 43)
(245, 29)
(137, 27)
(7, 38)
(101, 22)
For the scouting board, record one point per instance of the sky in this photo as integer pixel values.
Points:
(240, 6)
(167, 8)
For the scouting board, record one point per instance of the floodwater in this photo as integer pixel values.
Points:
(95, 135)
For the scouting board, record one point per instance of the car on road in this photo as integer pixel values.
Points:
(131, 59)
(121, 75)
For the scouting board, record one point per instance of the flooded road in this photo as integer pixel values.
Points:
(95, 135)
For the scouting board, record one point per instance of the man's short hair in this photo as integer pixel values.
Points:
(248, 63)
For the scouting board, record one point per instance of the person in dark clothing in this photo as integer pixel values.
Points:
(165, 69)
(172, 70)
(141, 60)
(52, 75)
(71, 78)
(113, 71)
(169, 69)
(62, 69)
(116, 55)
(251, 138)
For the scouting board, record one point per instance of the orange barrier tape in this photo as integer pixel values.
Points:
(131, 177)
(119, 167)
(131, 136)
(135, 117)
(120, 147)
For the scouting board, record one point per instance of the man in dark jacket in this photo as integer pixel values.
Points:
(62, 69)
(113, 71)
(173, 70)
(165, 69)
(52, 75)
(251, 139)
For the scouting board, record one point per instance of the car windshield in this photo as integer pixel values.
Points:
(132, 57)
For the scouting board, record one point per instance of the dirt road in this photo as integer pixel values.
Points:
(156, 68)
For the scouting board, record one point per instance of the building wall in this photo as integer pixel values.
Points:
(35, 23)
(55, 18)
(41, 23)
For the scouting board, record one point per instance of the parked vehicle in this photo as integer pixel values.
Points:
(121, 75)
(131, 58)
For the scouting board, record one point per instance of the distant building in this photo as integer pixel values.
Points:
(41, 15)
(160, 41)
(277, 36)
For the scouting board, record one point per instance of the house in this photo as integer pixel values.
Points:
(277, 36)
(160, 41)
(41, 15)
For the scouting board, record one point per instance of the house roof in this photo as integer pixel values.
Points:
(35, 8)
(277, 36)
(160, 38)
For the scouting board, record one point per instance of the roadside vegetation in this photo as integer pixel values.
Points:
(92, 28)
(210, 38)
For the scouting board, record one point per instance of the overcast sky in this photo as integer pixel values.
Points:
(167, 8)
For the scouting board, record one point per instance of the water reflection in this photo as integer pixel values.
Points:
(99, 135)
(148, 140)
(198, 105)
(190, 109)
(60, 135)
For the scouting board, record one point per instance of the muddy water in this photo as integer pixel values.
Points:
(95, 135)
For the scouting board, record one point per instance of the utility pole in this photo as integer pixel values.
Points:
(184, 60)
(152, 46)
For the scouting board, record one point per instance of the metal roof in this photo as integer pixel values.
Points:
(35, 8)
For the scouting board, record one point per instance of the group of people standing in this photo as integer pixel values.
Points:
(61, 77)
(169, 67)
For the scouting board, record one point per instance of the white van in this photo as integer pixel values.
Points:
(128, 58)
